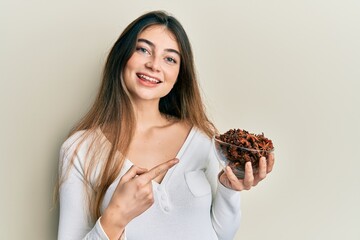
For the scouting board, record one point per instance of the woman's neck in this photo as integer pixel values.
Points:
(148, 116)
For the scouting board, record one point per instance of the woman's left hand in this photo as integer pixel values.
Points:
(229, 180)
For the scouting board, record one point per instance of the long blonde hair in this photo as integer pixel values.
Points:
(112, 110)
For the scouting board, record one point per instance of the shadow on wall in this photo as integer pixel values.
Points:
(54, 210)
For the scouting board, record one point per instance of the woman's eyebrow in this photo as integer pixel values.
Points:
(152, 45)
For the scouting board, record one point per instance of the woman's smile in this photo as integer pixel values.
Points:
(148, 80)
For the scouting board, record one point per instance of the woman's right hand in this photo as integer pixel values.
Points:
(132, 196)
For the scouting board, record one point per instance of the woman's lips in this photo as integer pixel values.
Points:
(148, 78)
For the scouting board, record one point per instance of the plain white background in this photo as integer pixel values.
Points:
(290, 69)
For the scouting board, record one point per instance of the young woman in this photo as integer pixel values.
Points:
(141, 165)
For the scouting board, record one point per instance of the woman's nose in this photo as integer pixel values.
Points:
(153, 64)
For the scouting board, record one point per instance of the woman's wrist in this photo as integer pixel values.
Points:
(112, 224)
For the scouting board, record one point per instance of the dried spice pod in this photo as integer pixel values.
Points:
(236, 147)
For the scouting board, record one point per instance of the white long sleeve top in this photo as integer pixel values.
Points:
(189, 203)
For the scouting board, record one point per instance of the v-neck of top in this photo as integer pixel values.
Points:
(128, 163)
(178, 156)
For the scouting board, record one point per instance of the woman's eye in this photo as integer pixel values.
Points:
(170, 59)
(142, 50)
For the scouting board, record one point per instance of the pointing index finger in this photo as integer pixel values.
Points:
(159, 169)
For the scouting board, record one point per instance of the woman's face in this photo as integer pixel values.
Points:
(153, 68)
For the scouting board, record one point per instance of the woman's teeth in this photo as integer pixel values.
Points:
(147, 78)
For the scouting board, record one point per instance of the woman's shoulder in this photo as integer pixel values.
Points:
(79, 141)
(73, 139)
(201, 136)
(80, 148)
